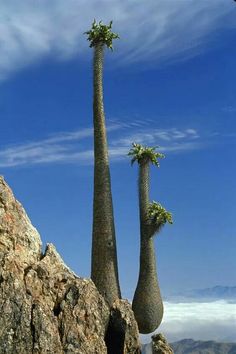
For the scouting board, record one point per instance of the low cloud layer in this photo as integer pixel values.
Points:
(66, 147)
(200, 321)
(154, 31)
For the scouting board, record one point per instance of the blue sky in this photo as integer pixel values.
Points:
(171, 81)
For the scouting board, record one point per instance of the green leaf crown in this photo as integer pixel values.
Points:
(158, 215)
(142, 154)
(100, 33)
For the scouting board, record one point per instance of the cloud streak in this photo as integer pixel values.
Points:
(66, 147)
(31, 30)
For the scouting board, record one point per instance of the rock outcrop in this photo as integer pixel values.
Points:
(45, 307)
(160, 345)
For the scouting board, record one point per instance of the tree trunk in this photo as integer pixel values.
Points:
(147, 303)
(104, 256)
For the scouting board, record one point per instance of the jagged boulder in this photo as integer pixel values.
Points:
(45, 307)
(160, 345)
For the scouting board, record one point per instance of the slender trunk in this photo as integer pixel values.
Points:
(104, 256)
(147, 303)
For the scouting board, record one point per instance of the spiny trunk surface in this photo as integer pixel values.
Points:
(104, 255)
(147, 303)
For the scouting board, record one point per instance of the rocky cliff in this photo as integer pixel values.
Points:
(45, 307)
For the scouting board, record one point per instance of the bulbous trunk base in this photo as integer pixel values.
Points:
(148, 308)
(148, 311)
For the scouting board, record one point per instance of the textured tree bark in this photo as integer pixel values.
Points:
(104, 255)
(147, 303)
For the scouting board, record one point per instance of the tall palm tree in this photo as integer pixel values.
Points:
(147, 303)
(104, 270)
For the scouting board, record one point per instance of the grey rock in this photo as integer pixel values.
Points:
(160, 345)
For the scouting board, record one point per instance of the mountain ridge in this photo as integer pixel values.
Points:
(191, 346)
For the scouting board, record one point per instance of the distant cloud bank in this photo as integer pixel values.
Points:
(66, 147)
(154, 31)
(200, 321)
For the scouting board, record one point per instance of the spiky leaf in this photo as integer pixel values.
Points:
(158, 215)
(142, 154)
(100, 33)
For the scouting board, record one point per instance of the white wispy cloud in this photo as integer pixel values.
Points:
(200, 321)
(150, 136)
(150, 31)
(60, 147)
(66, 147)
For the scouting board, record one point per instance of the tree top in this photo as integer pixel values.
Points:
(142, 154)
(100, 33)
